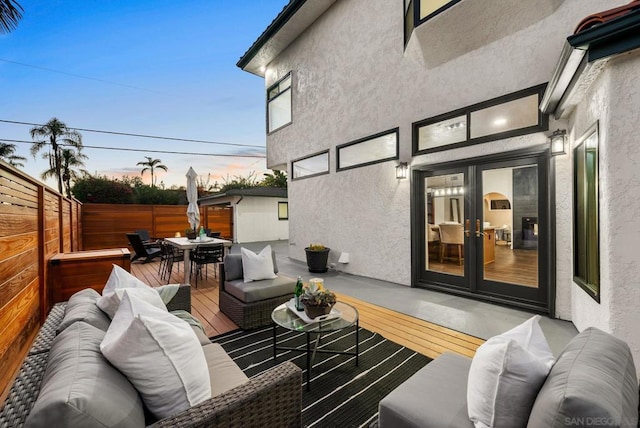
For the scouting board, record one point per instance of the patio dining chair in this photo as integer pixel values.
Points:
(204, 255)
(168, 255)
(147, 253)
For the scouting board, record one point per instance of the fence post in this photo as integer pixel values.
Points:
(42, 285)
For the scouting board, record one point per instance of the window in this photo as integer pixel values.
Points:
(367, 151)
(283, 210)
(503, 117)
(310, 166)
(418, 11)
(586, 248)
(279, 104)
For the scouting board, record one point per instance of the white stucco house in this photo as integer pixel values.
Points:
(259, 213)
(515, 124)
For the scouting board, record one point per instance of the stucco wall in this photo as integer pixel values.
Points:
(256, 219)
(614, 101)
(351, 79)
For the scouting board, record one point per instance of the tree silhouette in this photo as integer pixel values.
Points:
(7, 153)
(10, 14)
(56, 134)
(151, 165)
(72, 168)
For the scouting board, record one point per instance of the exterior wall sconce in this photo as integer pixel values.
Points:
(401, 170)
(558, 142)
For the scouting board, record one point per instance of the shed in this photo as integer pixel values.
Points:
(259, 213)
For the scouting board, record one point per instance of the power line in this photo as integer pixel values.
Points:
(78, 75)
(140, 135)
(149, 151)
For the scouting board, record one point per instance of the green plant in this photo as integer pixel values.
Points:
(316, 247)
(314, 294)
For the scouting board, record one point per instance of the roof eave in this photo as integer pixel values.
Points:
(283, 17)
(582, 51)
(292, 21)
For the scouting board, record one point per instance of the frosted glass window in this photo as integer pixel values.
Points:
(427, 7)
(377, 148)
(283, 211)
(509, 116)
(279, 104)
(310, 166)
(443, 133)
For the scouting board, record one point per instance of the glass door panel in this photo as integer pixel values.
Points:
(509, 225)
(483, 230)
(444, 229)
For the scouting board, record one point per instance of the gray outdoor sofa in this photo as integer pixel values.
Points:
(249, 304)
(272, 398)
(592, 383)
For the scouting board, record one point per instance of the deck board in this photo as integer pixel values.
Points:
(421, 336)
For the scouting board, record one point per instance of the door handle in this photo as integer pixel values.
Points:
(467, 223)
(478, 233)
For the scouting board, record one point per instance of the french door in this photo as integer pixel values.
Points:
(481, 229)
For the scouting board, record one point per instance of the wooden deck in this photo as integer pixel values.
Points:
(421, 336)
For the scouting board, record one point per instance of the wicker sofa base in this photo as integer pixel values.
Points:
(249, 315)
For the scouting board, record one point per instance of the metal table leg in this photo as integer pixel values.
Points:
(308, 362)
(274, 341)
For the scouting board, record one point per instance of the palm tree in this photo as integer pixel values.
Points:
(151, 164)
(72, 168)
(58, 135)
(7, 153)
(10, 14)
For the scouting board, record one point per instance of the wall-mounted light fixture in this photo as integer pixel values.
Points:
(558, 141)
(401, 170)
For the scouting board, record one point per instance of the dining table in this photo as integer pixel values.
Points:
(186, 245)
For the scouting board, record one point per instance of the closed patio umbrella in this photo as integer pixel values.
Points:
(193, 212)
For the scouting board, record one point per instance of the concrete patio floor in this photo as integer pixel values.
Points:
(468, 316)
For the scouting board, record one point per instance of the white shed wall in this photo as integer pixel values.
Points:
(256, 219)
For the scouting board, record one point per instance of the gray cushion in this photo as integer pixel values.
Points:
(81, 389)
(255, 291)
(82, 307)
(224, 374)
(593, 383)
(233, 266)
(436, 396)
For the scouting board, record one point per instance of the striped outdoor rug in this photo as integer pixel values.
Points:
(342, 395)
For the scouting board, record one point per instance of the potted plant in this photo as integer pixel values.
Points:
(316, 299)
(190, 233)
(317, 256)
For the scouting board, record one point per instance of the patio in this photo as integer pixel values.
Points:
(421, 336)
(424, 321)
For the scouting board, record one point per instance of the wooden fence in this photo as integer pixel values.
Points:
(36, 223)
(105, 225)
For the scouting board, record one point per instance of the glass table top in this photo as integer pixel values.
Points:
(289, 319)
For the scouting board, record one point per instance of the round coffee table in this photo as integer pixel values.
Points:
(343, 316)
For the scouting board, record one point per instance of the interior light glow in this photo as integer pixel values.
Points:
(500, 121)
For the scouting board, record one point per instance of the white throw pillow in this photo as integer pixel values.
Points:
(120, 278)
(506, 374)
(257, 266)
(160, 355)
(109, 303)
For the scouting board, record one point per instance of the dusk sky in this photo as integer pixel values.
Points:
(154, 67)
